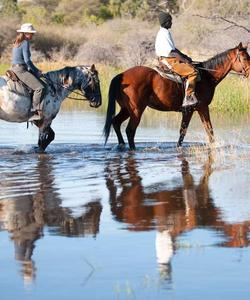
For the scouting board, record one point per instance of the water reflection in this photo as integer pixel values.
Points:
(170, 211)
(25, 217)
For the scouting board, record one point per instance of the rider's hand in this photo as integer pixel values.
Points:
(39, 74)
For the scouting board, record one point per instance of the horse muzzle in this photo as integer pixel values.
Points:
(96, 102)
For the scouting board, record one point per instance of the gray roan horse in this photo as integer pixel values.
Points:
(15, 107)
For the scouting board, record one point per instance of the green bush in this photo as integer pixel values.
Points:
(9, 8)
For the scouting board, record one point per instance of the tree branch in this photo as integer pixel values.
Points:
(233, 24)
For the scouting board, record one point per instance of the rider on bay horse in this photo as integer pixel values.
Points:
(25, 70)
(175, 60)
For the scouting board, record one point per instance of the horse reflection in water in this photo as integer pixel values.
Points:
(170, 211)
(24, 217)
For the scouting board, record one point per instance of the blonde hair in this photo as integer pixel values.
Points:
(19, 39)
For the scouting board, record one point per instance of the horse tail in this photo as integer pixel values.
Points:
(112, 96)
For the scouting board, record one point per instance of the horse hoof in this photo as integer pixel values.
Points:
(121, 147)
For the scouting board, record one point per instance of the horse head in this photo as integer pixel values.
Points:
(89, 85)
(241, 60)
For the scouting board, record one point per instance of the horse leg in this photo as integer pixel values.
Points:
(205, 119)
(46, 136)
(186, 117)
(117, 121)
(131, 129)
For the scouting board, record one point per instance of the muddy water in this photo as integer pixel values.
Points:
(87, 222)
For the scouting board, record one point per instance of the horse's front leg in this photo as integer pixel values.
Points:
(46, 136)
(186, 117)
(205, 119)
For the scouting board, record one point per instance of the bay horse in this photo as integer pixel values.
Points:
(141, 86)
(15, 107)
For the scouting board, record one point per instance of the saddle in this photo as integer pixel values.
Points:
(165, 72)
(16, 86)
(12, 75)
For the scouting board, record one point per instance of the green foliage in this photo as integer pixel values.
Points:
(36, 15)
(58, 18)
(84, 11)
(9, 8)
(104, 13)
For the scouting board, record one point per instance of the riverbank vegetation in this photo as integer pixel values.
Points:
(117, 34)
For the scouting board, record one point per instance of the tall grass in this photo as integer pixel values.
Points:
(232, 94)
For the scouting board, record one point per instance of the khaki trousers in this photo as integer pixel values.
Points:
(182, 69)
(32, 82)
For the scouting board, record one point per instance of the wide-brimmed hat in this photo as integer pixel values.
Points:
(27, 28)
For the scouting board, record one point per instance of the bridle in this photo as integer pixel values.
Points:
(90, 81)
(244, 69)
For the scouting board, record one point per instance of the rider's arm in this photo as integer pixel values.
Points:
(183, 57)
(27, 58)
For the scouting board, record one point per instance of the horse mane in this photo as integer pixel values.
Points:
(217, 60)
(64, 71)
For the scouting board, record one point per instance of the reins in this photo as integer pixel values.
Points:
(68, 89)
(233, 73)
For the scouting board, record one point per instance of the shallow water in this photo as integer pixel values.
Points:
(84, 221)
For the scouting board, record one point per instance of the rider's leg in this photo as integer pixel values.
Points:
(184, 70)
(34, 84)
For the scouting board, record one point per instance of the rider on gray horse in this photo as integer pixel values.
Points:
(25, 70)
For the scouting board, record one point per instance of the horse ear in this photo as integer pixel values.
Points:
(240, 45)
(245, 46)
(92, 69)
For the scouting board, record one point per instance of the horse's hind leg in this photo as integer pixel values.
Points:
(205, 119)
(46, 136)
(131, 129)
(186, 117)
(117, 121)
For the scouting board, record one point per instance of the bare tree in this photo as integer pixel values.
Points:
(232, 23)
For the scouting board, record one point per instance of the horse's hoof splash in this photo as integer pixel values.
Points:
(39, 150)
(121, 147)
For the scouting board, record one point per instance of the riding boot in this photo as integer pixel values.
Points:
(189, 101)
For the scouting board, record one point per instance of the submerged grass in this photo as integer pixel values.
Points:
(232, 94)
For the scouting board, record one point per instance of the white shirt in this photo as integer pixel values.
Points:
(164, 43)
